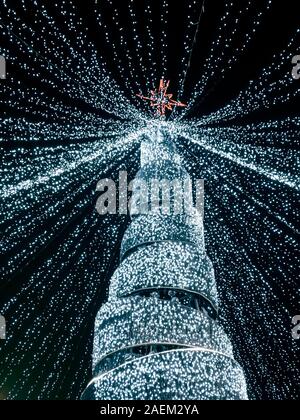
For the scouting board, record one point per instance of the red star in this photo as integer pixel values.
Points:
(161, 100)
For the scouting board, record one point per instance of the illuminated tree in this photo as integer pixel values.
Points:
(158, 336)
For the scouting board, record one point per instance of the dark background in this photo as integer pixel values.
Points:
(254, 254)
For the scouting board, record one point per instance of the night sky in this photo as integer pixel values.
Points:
(70, 117)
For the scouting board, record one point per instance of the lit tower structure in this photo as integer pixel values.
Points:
(158, 337)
